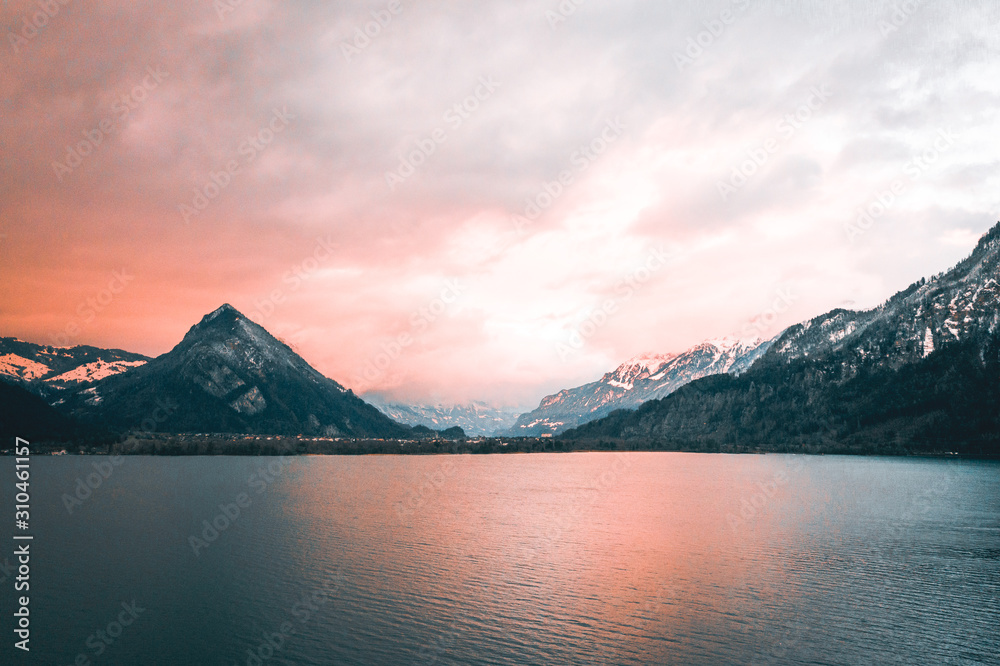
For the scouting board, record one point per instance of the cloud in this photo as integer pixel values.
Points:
(354, 107)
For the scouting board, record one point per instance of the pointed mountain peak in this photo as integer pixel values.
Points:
(224, 309)
(229, 375)
(225, 315)
(227, 320)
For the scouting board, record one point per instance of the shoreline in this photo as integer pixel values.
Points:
(173, 451)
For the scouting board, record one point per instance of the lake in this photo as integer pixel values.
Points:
(583, 558)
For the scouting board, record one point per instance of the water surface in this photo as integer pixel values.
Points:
(584, 558)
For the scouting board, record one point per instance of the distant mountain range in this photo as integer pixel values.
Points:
(44, 369)
(636, 381)
(475, 419)
(919, 372)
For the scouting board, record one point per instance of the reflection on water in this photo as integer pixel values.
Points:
(591, 558)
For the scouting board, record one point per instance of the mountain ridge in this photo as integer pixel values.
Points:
(46, 369)
(475, 418)
(639, 379)
(917, 314)
(919, 373)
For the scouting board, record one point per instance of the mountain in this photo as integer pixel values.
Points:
(44, 369)
(229, 375)
(636, 381)
(929, 314)
(24, 414)
(921, 372)
(475, 419)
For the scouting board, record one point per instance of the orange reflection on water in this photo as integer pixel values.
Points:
(603, 549)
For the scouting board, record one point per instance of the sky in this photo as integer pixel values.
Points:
(491, 201)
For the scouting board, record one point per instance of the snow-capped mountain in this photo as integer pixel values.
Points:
(91, 372)
(921, 372)
(229, 375)
(930, 314)
(476, 418)
(642, 378)
(43, 368)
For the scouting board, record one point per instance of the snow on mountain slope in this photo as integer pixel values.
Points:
(642, 378)
(477, 419)
(18, 367)
(921, 372)
(92, 372)
(43, 369)
(929, 314)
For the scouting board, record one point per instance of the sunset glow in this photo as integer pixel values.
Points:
(481, 181)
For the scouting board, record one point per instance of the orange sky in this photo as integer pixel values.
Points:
(116, 119)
